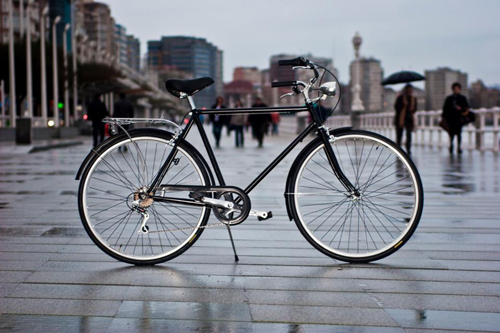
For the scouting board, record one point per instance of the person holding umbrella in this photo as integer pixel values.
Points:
(405, 106)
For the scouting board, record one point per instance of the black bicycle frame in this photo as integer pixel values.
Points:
(195, 119)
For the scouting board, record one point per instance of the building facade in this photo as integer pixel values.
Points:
(99, 26)
(438, 85)
(20, 21)
(370, 76)
(191, 55)
(133, 53)
(120, 46)
(481, 96)
(251, 74)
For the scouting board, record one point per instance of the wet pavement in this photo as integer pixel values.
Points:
(53, 278)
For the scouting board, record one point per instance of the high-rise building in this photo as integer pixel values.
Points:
(36, 9)
(63, 9)
(133, 52)
(438, 85)
(99, 25)
(370, 76)
(192, 55)
(121, 44)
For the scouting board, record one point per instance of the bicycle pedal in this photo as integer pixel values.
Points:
(267, 216)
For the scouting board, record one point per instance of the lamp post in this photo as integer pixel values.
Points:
(66, 84)
(54, 67)
(75, 57)
(21, 19)
(29, 74)
(357, 104)
(43, 23)
(12, 72)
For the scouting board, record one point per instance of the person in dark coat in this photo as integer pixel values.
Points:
(123, 109)
(405, 106)
(259, 121)
(97, 111)
(455, 106)
(217, 120)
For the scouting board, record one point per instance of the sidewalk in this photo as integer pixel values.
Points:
(53, 278)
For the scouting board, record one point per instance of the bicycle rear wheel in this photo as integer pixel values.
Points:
(351, 228)
(122, 171)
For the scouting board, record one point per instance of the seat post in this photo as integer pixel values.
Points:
(191, 102)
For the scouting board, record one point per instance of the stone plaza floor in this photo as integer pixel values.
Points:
(54, 279)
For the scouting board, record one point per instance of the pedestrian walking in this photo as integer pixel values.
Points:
(237, 123)
(275, 117)
(218, 120)
(259, 122)
(455, 108)
(97, 111)
(123, 109)
(405, 106)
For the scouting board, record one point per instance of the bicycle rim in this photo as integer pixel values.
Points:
(109, 189)
(372, 225)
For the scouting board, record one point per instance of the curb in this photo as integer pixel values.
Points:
(36, 149)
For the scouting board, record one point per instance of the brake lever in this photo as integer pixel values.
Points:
(301, 67)
(295, 91)
(287, 94)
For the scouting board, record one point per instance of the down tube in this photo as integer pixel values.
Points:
(280, 157)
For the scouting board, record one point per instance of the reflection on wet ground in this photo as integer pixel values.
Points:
(53, 278)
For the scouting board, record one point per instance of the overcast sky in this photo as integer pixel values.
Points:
(414, 35)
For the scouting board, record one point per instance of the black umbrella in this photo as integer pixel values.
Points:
(403, 77)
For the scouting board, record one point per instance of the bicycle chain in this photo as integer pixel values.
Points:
(188, 228)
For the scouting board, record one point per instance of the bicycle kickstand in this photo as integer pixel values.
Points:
(232, 243)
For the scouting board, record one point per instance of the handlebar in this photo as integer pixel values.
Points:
(284, 84)
(300, 61)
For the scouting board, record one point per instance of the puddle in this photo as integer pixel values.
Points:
(58, 231)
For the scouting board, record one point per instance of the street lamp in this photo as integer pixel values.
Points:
(12, 72)
(66, 84)
(357, 104)
(29, 84)
(54, 67)
(43, 23)
(75, 56)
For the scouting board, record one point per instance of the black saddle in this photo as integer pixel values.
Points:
(189, 87)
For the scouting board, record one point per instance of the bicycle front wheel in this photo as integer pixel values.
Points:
(360, 228)
(118, 176)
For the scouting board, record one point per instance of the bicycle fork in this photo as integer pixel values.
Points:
(332, 159)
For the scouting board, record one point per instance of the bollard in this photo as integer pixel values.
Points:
(23, 131)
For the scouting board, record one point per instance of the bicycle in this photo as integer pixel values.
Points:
(354, 195)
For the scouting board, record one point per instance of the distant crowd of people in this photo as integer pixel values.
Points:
(455, 115)
(260, 123)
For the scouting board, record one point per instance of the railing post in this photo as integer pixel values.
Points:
(495, 112)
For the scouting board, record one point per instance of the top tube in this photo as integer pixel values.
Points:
(253, 110)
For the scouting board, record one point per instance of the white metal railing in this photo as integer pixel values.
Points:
(482, 135)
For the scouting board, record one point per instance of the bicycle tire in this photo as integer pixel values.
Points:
(367, 207)
(114, 169)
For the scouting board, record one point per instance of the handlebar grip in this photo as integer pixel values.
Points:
(300, 61)
(284, 84)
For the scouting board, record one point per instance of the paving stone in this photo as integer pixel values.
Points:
(193, 311)
(451, 320)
